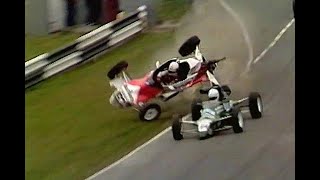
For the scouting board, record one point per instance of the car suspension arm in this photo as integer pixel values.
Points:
(239, 101)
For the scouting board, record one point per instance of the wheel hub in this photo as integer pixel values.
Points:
(240, 120)
(151, 114)
(259, 103)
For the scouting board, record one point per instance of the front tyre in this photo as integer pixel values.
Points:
(176, 128)
(150, 112)
(116, 69)
(196, 108)
(237, 121)
(226, 89)
(255, 105)
(189, 46)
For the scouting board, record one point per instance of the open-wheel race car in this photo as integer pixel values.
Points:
(138, 93)
(207, 118)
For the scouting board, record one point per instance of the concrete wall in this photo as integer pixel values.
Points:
(132, 5)
(35, 17)
(56, 12)
(43, 15)
(81, 12)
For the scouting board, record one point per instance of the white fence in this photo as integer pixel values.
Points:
(85, 47)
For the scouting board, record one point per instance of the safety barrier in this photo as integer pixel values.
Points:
(85, 47)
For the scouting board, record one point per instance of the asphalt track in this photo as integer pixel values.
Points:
(266, 150)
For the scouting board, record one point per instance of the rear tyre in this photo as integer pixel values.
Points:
(176, 128)
(237, 121)
(150, 112)
(255, 105)
(196, 107)
(118, 68)
(189, 46)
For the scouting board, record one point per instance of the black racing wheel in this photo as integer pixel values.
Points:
(189, 46)
(116, 69)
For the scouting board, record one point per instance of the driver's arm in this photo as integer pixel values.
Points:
(162, 73)
(181, 83)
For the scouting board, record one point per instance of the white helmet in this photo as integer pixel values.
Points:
(213, 94)
(173, 67)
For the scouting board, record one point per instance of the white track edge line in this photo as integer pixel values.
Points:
(130, 154)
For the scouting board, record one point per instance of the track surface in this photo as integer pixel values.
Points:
(266, 150)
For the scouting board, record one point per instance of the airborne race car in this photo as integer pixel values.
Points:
(207, 119)
(138, 93)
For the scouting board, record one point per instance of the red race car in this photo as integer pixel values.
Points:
(161, 83)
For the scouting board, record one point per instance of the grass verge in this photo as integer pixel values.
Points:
(72, 131)
(35, 45)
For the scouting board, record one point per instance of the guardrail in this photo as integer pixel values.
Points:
(85, 47)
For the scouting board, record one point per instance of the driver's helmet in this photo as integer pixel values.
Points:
(173, 67)
(213, 94)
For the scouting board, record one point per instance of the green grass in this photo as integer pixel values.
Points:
(172, 9)
(71, 129)
(36, 45)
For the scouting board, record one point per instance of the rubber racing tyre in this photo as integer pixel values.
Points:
(236, 120)
(226, 89)
(189, 46)
(176, 128)
(255, 105)
(150, 112)
(196, 107)
(118, 68)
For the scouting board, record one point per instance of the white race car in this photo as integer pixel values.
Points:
(209, 117)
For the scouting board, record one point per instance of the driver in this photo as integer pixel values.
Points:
(170, 75)
(214, 99)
